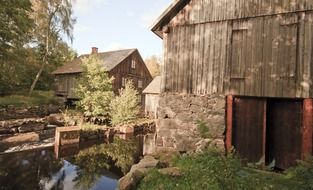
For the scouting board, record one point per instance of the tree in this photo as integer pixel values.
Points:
(53, 18)
(15, 27)
(15, 31)
(125, 106)
(153, 63)
(94, 88)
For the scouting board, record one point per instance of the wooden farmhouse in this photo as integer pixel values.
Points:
(122, 65)
(152, 93)
(253, 56)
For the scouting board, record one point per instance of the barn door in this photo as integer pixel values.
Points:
(283, 141)
(248, 128)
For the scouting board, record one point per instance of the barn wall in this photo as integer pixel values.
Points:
(201, 11)
(66, 85)
(262, 56)
(151, 104)
(124, 70)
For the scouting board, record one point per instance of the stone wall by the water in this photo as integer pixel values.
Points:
(178, 118)
(11, 112)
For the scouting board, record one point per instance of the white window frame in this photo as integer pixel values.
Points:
(140, 83)
(123, 81)
(133, 64)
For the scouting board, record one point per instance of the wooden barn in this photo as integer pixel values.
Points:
(122, 65)
(256, 55)
(152, 94)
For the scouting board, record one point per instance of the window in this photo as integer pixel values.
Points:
(139, 98)
(133, 64)
(123, 81)
(139, 83)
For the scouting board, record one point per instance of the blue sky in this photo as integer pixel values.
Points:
(117, 24)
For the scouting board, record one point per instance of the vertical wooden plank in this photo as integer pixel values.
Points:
(165, 62)
(307, 129)
(227, 70)
(229, 122)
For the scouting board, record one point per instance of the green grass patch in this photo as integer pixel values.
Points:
(214, 171)
(22, 100)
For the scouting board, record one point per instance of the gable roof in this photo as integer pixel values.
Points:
(167, 16)
(109, 60)
(154, 87)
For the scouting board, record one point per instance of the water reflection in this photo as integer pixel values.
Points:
(96, 167)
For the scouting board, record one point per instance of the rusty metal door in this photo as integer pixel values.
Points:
(283, 141)
(248, 133)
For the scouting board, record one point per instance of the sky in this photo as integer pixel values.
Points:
(117, 24)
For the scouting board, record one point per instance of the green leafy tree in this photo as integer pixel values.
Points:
(15, 31)
(125, 106)
(53, 18)
(94, 88)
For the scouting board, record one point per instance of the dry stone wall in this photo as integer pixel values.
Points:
(178, 118)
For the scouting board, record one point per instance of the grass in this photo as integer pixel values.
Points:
(22, 100)
(214, 171)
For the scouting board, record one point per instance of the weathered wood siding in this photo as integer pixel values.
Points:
(65, 85)
(249, 49)
(200, 11)
(151, 104)
(124, 70)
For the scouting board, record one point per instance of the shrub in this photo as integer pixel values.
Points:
(125, 106)
(94, 88)
(203, 129)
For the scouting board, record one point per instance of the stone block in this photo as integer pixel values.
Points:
(126, 129)
(67, 135)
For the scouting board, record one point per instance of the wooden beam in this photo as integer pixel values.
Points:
(229, 123)
(307, 129)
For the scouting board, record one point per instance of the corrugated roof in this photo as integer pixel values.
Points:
(154, 87)
(109, 60)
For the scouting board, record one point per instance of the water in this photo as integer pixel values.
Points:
(96, 167)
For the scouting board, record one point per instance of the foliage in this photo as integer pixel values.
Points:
(15, 32)
(125, 106)
(21, 100)
(94, 88)
(23, 43)
(203, 129)
(15, 27)
(213, 170)
(153, 63)
(53, 18)
(92, 161)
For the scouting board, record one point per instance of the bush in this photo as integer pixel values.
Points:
(94, 89)
(213, 170)
(125, 106)
(203, 129)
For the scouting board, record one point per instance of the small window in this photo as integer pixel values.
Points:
(139, 83)
(139, 98)
(123, 81)
(133, 64)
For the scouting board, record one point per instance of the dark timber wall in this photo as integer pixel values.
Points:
(254, 48)
(260, 50)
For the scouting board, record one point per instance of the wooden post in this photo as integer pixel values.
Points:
(307, 131)
(229, 122)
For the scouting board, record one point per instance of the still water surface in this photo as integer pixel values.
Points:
(96, 167)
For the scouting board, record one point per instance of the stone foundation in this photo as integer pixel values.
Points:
(178, 117)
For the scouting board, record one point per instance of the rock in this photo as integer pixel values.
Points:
(56, 119)
(30, 127)
(173, 171)
(126, 129)
(137, 173)
(18, 140)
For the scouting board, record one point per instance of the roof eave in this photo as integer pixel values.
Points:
(167, 16)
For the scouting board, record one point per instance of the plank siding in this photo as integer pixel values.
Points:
(201, 11)
(259, 56)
